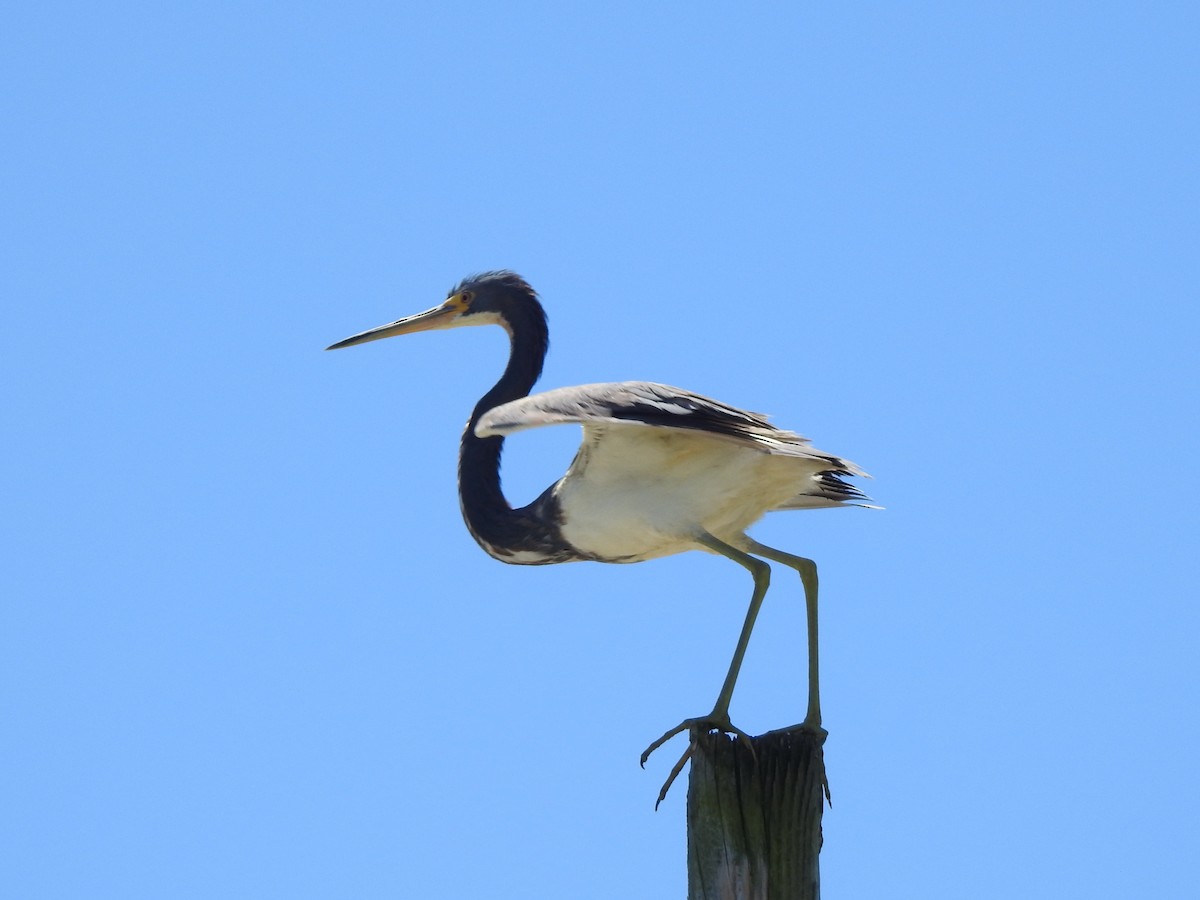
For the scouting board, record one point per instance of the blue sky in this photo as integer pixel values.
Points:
(248, 648)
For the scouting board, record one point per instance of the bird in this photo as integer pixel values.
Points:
(660, 471)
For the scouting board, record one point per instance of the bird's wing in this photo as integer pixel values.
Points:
(646, 404)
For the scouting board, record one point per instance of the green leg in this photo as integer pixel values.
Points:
(808, 575)
(762, 580)
(719, 717)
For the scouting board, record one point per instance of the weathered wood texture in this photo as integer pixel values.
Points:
(754, 819)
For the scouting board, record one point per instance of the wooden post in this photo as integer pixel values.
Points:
(754, 819)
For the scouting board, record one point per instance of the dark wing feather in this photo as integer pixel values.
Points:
(644, 403)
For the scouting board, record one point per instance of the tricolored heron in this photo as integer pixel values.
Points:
(661, 470)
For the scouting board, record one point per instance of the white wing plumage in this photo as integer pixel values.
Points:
(646, 404)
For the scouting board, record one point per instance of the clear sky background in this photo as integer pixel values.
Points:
(248, 647)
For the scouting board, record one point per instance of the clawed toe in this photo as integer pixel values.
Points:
(686, 724)
(699, 725)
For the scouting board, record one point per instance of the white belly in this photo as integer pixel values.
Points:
(648, 492)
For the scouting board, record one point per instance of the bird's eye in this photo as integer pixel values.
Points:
(467, 296)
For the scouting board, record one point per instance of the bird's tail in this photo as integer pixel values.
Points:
(828, 488)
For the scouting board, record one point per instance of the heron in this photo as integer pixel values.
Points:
(660, 471)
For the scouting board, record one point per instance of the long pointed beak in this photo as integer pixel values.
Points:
(439, 317)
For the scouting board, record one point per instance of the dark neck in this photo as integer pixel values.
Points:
(490, 518)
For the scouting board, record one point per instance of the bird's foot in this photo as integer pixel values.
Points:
(700, 725)
(811, 726)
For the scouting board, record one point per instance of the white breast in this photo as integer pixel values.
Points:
(637, 492)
